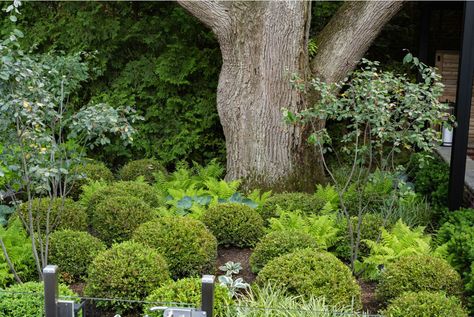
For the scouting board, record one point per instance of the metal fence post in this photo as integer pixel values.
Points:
(207, 294)
(50, 290)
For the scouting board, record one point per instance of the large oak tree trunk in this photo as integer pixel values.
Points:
(262, 44)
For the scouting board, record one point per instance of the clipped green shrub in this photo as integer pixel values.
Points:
(418, 273)
(73, 251)
(276, 244)
(90, 171)
(137, 189)
(311, 273)
(304, 202)
(115, 218)
(425, 304)
(189, 247)
(234, 224)
(129, 270)
(144, 168)
(28, 300)
(64, 214)
(187, 290)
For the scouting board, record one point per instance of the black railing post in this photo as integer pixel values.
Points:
(50, 290)
(207, 294)
(463, 110)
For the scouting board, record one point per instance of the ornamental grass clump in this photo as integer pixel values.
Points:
(310, 273)
(129, 270)
(73, 251)
(189, 247)
(234, 224)
(418, 273)
(276, 244)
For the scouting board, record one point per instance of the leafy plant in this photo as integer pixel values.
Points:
(234, 224)
(324, 229)
(128, 270)
(306, 203)
(86, 172)
(145, 168)
(18, 246)
(5, 212)
(233, 285)
(27, 299)
(398, 242)
(188, 246)
(186, 292)
(425, 304)
(278, 243)
(417, 273)
(310, 273)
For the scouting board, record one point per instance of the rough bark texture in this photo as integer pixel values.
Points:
(346, 38)
(262, 44)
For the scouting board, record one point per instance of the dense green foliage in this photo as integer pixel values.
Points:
(63, 214)
(18, 246)
(306, 203)
(115, 218)
(311, 273)
(187, 290)
(400, 241)
(188, 246)
(170, 75)
(100, 192)
(234, 224)
(418, 273)
(89, 171)
(425, 304)
(279, 243)
(456, 239)
(28, 304)
(73, 251)
(431, 180)
(128, 270)
(145, 168)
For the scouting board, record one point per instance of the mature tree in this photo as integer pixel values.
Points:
(262, 44)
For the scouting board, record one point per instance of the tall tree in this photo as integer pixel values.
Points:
(262, 44)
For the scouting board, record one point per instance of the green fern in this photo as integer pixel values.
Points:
(400, 241)
(221, 188)
(329, 195)
(259, 197)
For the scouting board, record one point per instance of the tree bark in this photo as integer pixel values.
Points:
(262, 44)
(348, 35)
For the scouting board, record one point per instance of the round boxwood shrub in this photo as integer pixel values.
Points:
(276, 244)
(144, 167)
(140, 190)
(73, 251)
(234, 224)
(187, 290)
(312, 273)
(64, 214)
(418, 273)
(306, 203)
(370, 229)
(115, 218)
(425, 304)
(189, 247)
(30, 304)
(90, 171)
(129, 270)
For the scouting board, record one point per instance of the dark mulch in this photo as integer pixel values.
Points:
(236, 255)
(369, 300)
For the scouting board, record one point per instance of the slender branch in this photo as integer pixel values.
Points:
(9, 262)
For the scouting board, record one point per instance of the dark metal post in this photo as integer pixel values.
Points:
(50, 290)
(207, 294)
(463, 110)
(424, 31)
